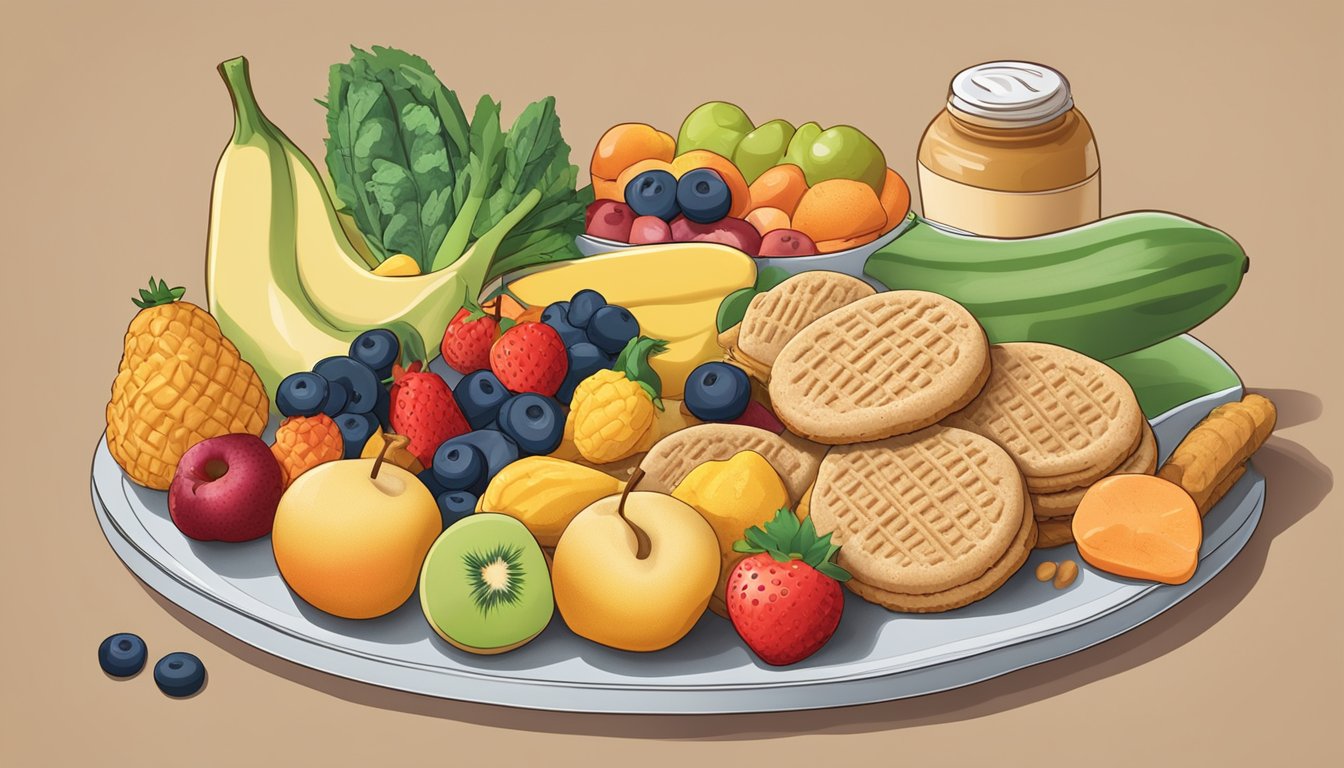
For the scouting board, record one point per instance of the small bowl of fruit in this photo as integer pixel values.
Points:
(799, 199)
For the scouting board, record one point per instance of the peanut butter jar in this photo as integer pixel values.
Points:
(1010, 155)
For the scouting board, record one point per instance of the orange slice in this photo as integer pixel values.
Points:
(1139, 526)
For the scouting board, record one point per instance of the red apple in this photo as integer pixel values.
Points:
(650, 229)
(728, 231)
(226, 488)
(787, 242)
(609, 220)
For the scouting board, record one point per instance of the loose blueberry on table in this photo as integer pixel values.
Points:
(122, 655)
(179, 674)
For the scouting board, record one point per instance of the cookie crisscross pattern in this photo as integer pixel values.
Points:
(1051, 407)
(881, 355)
(937, 501)
(777, 315)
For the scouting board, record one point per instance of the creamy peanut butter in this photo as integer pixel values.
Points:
(1010, 155)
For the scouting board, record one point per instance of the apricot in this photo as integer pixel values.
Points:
(737, 186)
(628, 175)
(779, 187)
(766, 219)
(787, 242)
(626, 144)
(831, 246)
(839, 209)
(895, 198)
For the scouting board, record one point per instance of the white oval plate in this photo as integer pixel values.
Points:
(874, 656)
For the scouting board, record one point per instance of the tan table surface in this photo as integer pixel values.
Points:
(113, 118)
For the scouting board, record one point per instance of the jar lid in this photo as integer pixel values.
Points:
(1009, 94)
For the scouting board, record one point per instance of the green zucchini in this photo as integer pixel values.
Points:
(1103, 289)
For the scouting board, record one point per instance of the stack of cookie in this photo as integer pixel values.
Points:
(951, 458)
(1067, 420)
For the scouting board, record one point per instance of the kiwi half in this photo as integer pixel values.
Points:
(485, 586)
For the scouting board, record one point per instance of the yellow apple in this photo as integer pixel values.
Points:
(350, 543)
(732, 496)
(609, 594)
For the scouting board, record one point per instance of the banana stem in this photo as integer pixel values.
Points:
(247, 117)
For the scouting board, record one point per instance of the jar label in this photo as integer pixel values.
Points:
(994, 213)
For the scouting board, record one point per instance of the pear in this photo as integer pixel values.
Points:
(635, 571)
(350, 536)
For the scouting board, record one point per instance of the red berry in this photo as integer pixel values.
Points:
(530, 357)
(784, 611)
(467, 341)
(424, 410)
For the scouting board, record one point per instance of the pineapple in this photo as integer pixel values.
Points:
(613, 410)
(180, 381)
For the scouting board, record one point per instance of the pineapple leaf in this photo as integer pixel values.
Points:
(158, 294)
(784, 538)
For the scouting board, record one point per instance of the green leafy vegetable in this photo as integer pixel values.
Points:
(421, 179)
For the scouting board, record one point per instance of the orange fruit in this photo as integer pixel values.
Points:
(766, 219)
(779, 187)
(895, 198)
(839, 209)
(303, 442)
(737, 185)
(831, 246)
(626, 144)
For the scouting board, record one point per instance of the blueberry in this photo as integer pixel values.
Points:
(479, 394)
(499, 450)
(337, 396)
(356, 429)
(460, 466)
(583, 305)
(301, 394)
(357, 378)
(557, 316)
(122, 655)
(378, 349)
(717, 392)
(612, 328)
(430, 482)
(653, 193)
(535, 422)
(382, 408)
(556, 311)
(584, 360)
(703, 196)
(179, 674)
(455, 505)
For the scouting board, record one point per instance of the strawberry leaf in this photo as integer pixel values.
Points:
(505, 323)
(786, 538)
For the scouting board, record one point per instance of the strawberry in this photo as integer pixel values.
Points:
(530, 357)
(467, 340)
(423, 409)
(785, 600)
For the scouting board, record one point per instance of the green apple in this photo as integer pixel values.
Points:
(759, 150)
(716, 126)
(843, 152)
(800, 144)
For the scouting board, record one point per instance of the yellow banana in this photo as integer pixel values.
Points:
(283, 277)
(252, 278)
(673, 290)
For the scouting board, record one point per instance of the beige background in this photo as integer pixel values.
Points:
(113, 118)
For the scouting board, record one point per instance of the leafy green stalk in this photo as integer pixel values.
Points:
(633, 361)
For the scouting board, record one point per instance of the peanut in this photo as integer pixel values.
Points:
(1068, 571)
(1045, 571)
